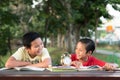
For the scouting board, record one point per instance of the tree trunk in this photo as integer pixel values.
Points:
(61, 41)
(58, 40)
(53, 41)
(71, 33)
(9, 45)
(46, 28)
(96, 24)
(70, 36)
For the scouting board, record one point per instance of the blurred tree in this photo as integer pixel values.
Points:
(7, 20)
(64, 20)
(70, 19)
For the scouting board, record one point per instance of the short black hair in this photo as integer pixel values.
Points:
(29, 37)
(89, 44)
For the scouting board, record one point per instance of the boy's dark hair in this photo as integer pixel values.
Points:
(90, 45)
(29, 37)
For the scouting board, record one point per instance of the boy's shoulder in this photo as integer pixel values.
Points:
(91, 58)
(22, 47)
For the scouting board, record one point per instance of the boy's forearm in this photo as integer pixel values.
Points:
(43, 64)
(12, 64)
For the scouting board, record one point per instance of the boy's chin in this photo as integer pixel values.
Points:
(78, 57)
(38, 54)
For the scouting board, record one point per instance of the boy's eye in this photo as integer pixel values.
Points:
(78, 49)
(36, 46)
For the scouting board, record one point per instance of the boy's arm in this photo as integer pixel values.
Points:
(109, 66)
(77, 64)
(44, 64)
(12, 62)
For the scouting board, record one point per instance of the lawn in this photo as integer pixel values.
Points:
(108, 58)
(56, 53)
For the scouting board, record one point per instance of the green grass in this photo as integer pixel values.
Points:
(108, 58)
(56, 53)
(113, 48)
(3, 59)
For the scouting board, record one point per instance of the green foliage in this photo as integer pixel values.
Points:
(114, 1)
(55, 17)
(108, 58)
(7, 19)
(56, 55)
(3, 40)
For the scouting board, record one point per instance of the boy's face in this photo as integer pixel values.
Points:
(81, 51)
(36, 47)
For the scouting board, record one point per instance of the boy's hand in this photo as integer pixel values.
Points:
(108, 67)
(77, 64)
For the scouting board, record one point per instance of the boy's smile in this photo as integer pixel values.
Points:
(81, 52)
(36, 47)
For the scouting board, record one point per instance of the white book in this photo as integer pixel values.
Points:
(89, 68)
(27, 68)
(4, 68)
(116, 69)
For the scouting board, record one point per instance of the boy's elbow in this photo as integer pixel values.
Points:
(9, 65)
(48, 63)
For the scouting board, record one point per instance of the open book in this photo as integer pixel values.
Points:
(116, 69)
(90, 68)
(3, 68)
(62, 68)
(26, 68)
(72, 68)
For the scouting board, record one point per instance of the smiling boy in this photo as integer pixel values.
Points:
(32, 53)
(83, 55)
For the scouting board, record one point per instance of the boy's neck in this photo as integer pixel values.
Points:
(83, 59)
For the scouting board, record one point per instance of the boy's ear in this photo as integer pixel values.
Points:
(26, 48)
(89, 53)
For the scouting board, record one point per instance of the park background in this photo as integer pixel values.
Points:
(61, 23)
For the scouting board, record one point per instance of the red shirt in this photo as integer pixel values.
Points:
(91, 61)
